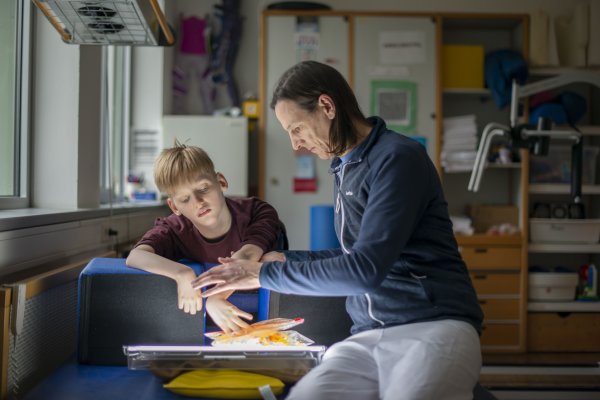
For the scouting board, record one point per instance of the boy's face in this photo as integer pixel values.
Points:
(202, 202)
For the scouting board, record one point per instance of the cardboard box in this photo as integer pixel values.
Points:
(462, 66)
(485, 216)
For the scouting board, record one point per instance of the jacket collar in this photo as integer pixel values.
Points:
(363, 148)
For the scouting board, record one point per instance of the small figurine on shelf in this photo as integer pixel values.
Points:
(588, 275)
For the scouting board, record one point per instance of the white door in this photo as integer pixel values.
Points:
(330, 45)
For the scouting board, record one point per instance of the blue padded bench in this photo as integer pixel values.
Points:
(74, 381)
(120, 306)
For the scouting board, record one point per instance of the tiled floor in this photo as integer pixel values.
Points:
(547, 376)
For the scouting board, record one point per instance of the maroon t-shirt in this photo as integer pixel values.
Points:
(252, 222)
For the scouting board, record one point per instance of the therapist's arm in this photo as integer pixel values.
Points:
(231, 275)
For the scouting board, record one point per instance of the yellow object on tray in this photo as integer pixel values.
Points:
(462, 66)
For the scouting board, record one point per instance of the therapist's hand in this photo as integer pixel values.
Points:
(231, 275)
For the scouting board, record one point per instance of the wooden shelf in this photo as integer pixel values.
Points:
(468, 91)
(561, 188)
(550, 71)
(467, 169)
(563, 248)
(566, 306)
(482, 239)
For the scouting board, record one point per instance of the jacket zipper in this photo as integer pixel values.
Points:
(339, 208)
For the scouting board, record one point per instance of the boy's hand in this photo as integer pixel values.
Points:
(188, 299)
(226, 315)
(273, 256)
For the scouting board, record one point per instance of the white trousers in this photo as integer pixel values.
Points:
(438, 360)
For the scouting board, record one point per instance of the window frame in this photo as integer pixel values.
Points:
(115, 121)
(21, 170)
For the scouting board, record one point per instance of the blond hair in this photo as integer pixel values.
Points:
(181, 164)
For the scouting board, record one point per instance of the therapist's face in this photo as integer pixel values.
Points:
(308, 130)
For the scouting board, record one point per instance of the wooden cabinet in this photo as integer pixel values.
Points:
(496, 268)
(563, 332)
(497, 265)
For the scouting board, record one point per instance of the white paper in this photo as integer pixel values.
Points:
(305, 167)
(402, 47)
(388, 71)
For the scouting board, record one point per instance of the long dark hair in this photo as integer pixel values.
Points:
(305, 82)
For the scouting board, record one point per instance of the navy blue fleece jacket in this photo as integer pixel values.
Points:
(399, 261)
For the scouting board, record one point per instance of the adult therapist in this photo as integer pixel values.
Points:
(415, 312)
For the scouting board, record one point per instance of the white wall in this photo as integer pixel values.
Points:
(55, 122)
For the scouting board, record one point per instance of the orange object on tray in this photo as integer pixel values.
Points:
(267, 332)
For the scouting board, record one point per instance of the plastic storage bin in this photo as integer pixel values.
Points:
(462, 66)
(556, 166)
(552, 230)
(552, 286)
(288, 363)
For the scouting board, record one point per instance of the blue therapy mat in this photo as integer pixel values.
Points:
(74, 381)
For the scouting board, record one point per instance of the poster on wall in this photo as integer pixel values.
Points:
(402, 47)
(396, 102)
(307, 38)
(305, 178)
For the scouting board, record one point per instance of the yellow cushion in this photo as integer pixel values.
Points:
(223, 384)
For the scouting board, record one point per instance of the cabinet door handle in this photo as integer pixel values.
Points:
(483, 302)
(481, 250)
(479, 276)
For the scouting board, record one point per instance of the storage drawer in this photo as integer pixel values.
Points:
(488, 257)
(495, 283)
(563, 332)
(500, 335)
(500, 308)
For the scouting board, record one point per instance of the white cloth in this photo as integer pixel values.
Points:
(437, 360)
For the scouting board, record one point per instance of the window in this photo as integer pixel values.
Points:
(14, 88)
(116, 75)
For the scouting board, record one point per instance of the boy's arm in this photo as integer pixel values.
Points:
(264, 227)
(143, 257)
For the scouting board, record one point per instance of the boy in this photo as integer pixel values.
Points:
(204, 226)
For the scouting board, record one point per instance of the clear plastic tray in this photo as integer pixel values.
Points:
(288, 363)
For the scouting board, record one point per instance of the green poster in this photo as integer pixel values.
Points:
(396, 103)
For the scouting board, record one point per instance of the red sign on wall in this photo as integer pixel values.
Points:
(305, 185)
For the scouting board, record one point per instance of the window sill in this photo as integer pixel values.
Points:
(32, 217)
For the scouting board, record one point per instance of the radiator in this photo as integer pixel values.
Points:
(39, 318)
